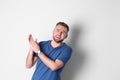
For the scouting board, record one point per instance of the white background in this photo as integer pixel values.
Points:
(94, 36)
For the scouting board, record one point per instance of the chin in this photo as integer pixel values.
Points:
(58, 41)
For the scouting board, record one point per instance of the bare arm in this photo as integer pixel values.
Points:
(53, 65)
(30, 60)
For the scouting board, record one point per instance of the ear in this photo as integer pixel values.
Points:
(66, 36)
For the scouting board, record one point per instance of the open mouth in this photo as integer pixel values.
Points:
(58, 37)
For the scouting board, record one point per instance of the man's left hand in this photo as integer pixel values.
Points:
(33, 44)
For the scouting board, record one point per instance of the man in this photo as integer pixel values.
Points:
(51, 56)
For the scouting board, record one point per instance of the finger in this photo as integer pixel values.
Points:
(30, 40)
(29, 37)
(35, 39)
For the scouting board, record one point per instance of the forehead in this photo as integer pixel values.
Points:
(60, 27)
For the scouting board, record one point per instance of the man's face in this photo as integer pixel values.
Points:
(60, 33)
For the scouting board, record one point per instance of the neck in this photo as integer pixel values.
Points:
(55, 44)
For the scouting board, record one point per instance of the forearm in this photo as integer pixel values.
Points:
(53, 65)
(30, 59)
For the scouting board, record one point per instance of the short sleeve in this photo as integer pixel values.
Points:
(65, 55)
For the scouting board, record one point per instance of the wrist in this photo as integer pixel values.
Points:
(38, 52)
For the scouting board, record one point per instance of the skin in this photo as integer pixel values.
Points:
(59, 34)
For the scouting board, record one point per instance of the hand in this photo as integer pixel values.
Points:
(33, 43)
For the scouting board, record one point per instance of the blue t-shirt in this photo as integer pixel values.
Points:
(63, 53)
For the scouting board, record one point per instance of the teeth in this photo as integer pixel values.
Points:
(58, 37)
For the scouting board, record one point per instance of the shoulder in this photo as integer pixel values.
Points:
(44, 42)
(67, 46)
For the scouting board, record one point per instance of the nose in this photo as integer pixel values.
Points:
(59, 33)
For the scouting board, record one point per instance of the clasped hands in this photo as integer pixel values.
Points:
(33, 44)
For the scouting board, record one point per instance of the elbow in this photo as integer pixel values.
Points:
(54, 68)
(28, 66)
